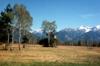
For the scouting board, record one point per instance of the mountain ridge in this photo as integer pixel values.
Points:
(82, 33)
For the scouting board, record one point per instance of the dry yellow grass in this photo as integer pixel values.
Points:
(73, 54)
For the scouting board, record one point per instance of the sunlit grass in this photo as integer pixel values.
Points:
(47, 55)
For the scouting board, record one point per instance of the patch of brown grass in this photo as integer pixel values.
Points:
(73, 54)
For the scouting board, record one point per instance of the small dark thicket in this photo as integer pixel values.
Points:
(45, 42)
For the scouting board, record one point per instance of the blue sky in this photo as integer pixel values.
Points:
(66, 13)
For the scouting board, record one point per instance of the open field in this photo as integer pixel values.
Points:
(61, 54)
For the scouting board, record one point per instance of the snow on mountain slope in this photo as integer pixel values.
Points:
(69, 34)
(98, 27)
(88, 28)
(85, 28)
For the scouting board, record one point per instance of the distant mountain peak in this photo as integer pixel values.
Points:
(88, 28)
(37, 31)
(68, 29)
(98, 26)
(85, 28)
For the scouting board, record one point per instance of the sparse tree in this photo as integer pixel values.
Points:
(24, 20)
(49, 29)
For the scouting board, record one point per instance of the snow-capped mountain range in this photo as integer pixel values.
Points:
(82, 27)
(82, 33)
(88, 28)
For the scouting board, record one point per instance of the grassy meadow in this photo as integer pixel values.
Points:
(36, 55)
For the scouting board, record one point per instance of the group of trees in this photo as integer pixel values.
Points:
(49, 31)
(17, 19)
(14, 18)
(5, 21)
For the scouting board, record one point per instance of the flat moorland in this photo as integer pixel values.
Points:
(49, 55)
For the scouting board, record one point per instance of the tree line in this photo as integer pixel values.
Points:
(83, 43)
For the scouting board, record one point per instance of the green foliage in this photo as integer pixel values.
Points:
(23, 17)
(49, 30)
(14, 18)
(5, 21)
(48, 26)
(24, 20)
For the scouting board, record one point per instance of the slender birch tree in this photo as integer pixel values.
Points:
(24, 20)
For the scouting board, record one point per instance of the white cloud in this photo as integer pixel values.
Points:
(87, 16)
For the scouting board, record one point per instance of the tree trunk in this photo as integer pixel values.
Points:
(48, 39)
(6, 44)
(12, 38)
(8, 38)
(19, 37)
(12, 35)
(24, 45)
